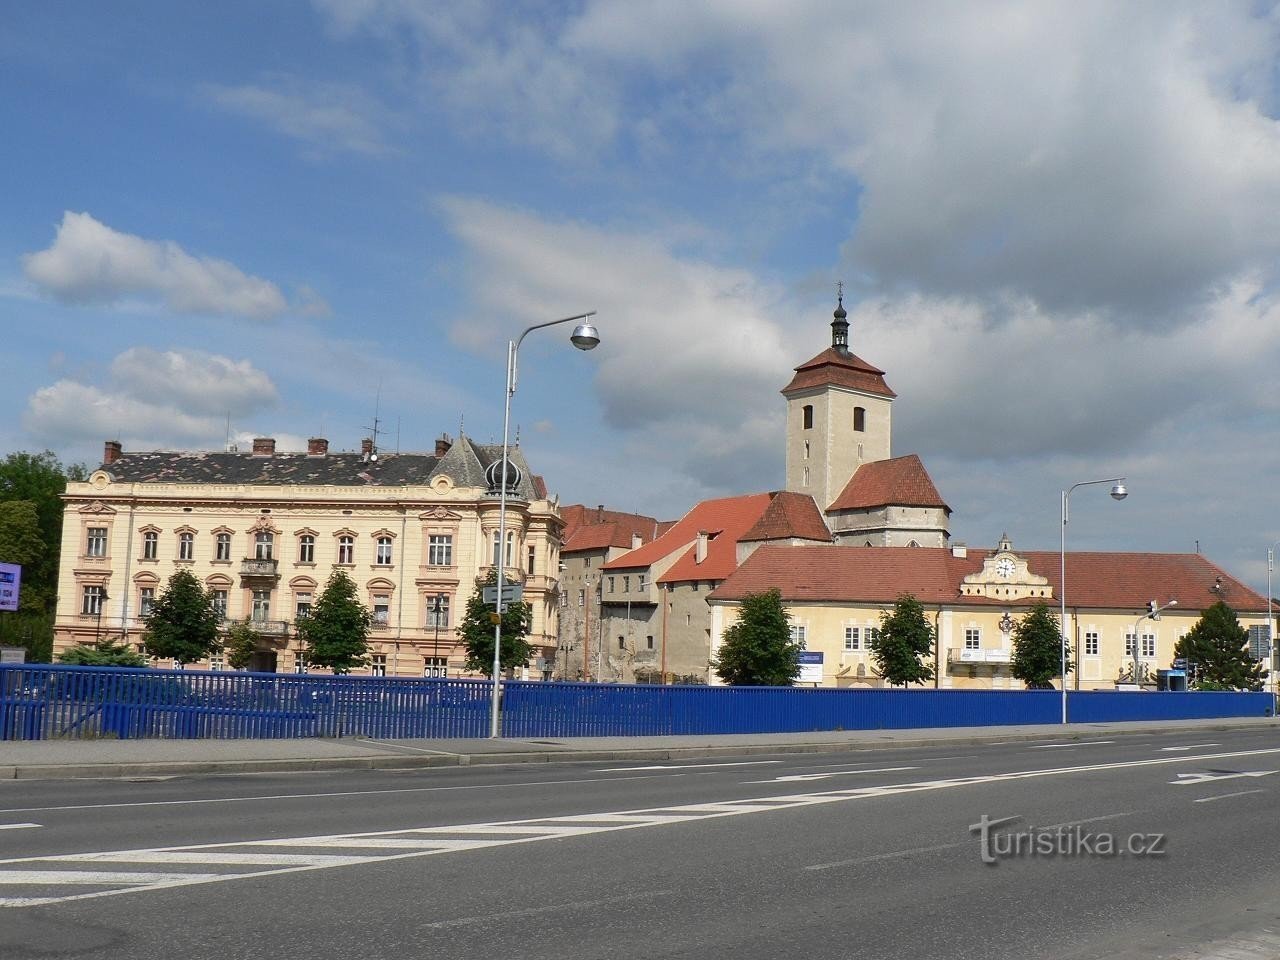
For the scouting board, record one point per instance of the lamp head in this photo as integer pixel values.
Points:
(1118, 492)
(585, 336)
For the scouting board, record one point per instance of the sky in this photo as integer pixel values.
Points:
(1057, 226)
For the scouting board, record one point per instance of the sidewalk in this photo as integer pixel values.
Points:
(77, 759)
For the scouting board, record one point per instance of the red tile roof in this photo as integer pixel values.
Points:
(899, 482)
(837, 574)
(843, 370)
(790, 515)
(594, 528)
(727, 519)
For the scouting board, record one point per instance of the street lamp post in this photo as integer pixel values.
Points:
(437, 603)
(584, 337)
(97, 627)
(1271, 623)
(1118, 492)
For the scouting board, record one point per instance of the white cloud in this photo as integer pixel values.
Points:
(90, 262)
(326, 116)
(153, 400)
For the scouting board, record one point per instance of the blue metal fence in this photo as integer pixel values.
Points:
(39, 701)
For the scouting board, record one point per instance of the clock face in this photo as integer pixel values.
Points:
(1004, 567)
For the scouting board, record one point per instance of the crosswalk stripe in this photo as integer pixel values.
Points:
(218, 857)
(100, 877)
(385, 843)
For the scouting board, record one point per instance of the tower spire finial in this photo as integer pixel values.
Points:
(840, 324)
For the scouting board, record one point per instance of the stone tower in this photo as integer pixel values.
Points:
(838, 417)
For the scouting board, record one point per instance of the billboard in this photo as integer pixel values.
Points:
(810, 666)
(10, 581)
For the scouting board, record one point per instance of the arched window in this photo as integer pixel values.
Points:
(383, 557)
(808, 416)
(346, 549)
(859, 419)
(913, 544)
(186, 546)
(150, 545)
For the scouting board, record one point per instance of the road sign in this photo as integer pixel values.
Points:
(511, 593)
(810, 666)
(10, 582)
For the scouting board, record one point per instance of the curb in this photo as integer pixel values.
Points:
(398, 761)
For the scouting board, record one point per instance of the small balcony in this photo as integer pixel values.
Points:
(269, 628)
(259, 568)
(972, 656)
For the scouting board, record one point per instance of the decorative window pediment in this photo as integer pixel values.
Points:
(98, 508)
(440, 515)
(384, 532)
(306, 532)
(264, 524)
(217, 581)
(303, 583)
(380, 583)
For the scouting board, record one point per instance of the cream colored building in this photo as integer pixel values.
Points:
(264, 530)
(835, 597)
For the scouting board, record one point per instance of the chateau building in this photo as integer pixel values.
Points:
(264, 530)
(836, 595)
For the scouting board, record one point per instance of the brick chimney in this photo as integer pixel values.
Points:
(366, 446)
(111, 451)
(443, 444)
(317, 446)
(264, 446)
(700, 549)
(600, 513)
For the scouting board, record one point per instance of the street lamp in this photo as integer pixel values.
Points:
(584, 337)
(97, 627)
(1118, 492)
(1271, 623)
(437, 605)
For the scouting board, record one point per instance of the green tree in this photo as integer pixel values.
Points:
(1217, 652)
(904, 640)
(41, 479)
(21, 543)
(183, 623)
(240, 644)
(758, 650)
(476, 633)
(336, 632)
(1037, 649)
(105, 654)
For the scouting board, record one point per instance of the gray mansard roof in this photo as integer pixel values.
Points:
(464, 463)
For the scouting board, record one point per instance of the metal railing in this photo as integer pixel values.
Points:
(39, 701)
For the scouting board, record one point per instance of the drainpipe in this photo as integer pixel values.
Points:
(666, 592)
(937, 648)
(404, 547)
(128, 586)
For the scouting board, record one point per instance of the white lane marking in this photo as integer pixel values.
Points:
(800, 777)
(1194, 779)
(18, 826)
(1078, 823)
(314, 796)
(1190, 746)
(1225, 796)
(1073, 743)
(214, 858)
(690, 766)
(59, 877)
(892, 855)
(442, 837)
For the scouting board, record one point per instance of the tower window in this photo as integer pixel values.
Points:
(859, 419)
(808, 416)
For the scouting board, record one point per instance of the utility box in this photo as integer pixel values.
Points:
(1171, 680)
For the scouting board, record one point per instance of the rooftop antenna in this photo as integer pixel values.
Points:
(461, 419)
(397, 436)
(376, 428)
(228, 445)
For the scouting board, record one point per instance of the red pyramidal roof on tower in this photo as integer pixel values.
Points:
(833, 368)
(899, 482)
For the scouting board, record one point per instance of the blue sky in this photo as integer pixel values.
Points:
(1058, 226)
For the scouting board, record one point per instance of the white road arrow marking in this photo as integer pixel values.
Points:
(1190, 779)
(798, 777)
(1192, 746)
(18, 826)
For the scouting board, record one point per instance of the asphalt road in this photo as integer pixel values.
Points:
(818, 855)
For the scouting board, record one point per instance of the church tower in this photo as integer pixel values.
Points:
(838, 417)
